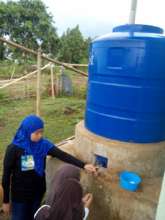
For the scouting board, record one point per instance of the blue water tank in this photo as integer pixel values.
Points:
(126, 86)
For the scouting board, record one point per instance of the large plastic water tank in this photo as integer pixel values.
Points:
(126, 87)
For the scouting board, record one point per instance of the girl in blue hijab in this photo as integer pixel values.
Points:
(23, 178)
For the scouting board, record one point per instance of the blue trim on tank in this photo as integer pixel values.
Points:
(138, 28)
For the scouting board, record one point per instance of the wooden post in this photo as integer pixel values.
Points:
(38, 91)
(12, 74)
(27, 88)
(52, 81)
(43, 56)
(10, 82)
(57, 84)
(60, 81)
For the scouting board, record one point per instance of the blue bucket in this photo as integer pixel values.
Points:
(129, 181)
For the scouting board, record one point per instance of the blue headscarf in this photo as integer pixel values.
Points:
(38, 149)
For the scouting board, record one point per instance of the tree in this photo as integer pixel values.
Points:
(73, 46)
(86, 49)
(27, 21)
(2, 29)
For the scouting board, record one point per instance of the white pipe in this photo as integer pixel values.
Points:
(132, 15)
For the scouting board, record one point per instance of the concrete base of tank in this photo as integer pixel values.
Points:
(110, 201)
(146, 159)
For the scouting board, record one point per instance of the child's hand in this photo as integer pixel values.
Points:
(91, 168)
(87, 200)
(6, 208)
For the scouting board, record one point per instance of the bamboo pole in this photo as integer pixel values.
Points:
(21, 78)
(12, 74)
(13, 44)
(60, 79)
(52, 81)
(38, 91)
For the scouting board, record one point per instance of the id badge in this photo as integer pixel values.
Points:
(27, 162)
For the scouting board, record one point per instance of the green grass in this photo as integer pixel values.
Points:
(60, 116)
(7, 67)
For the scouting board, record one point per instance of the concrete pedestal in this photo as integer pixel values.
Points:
(146, 159)
(110, 201)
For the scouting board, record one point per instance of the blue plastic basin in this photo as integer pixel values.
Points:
(129, 180)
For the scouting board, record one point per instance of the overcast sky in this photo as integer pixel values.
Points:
(97, 17)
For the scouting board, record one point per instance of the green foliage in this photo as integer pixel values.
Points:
(74, 48)
(27, 21)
